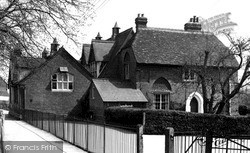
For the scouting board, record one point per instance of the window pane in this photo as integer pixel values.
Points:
(70, 85)
(191, 75)
(157, 105)
(59, 77)
(54, 77)
(163, 98)
(65, 77)
(186, 75)
(65, 85)
(163, 106)
(157, 98)
(59, 85)
(70, 78)
(53, 85)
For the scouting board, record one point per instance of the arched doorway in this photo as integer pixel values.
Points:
(194, 103)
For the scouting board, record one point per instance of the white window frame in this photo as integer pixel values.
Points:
(167, 101)
(189, 77)
(62, 82)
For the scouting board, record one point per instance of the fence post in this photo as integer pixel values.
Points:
(169, 140)
(209, 142)
(139, 138)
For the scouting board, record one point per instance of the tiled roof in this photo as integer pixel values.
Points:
(117, 91)
(101, 49)
(120, 40)
(67, 57)
(85, 53)
(177, 47)
(29, 62)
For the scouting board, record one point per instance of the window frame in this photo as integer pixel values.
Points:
(189, 76)
(166, 103)
(62, 82)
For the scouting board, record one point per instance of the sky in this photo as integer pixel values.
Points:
(171, 14)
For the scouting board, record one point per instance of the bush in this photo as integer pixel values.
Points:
(157, 121)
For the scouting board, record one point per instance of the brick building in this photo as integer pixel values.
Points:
(55, 83)
(160, 63)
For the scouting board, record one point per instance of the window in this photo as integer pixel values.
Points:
(161, 101)
(126, 66)
(62, 82)
(189, 75)
(93, 69)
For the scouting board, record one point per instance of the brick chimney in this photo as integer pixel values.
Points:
(54, 47)
(98, 37)
(115, 31)
(45, 54)
(141, 21)
(193, 24)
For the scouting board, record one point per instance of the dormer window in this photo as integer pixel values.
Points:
(126, 66)
(189, 75)
(62, 82)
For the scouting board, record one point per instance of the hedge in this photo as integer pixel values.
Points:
(157, 121)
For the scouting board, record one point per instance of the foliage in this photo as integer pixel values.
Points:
(221, 87)
(29, 24)
(156, 122)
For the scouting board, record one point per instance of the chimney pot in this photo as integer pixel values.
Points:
(141, 22)
(115, 31)
(54, 46)
(193, 24)
(98, 37)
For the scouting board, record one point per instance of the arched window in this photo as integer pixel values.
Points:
(126, 66)
(194, 103)
(62, 82)
(161, 90)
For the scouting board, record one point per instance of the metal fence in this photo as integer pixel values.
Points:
(90, 136)
(197, 144)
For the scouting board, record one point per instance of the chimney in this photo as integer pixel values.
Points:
(193, 24)
(141, 21)
(115, 31)
(54, 47)
(45, 54)
(98, 37)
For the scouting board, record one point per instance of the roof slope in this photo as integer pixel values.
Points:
(178, 47)
(29, 62)
(66, 56)
(85, 54)
(117, 91)
(101, 49)
(121, 39)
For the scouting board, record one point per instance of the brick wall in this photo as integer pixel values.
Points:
(38, 89)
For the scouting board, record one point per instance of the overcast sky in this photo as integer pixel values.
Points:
(165, 14)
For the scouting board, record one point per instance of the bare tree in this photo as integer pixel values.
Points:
(220, 87)
(28, 24)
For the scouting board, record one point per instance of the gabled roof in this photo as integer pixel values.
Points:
(67, 57)
(177, 47)
(117, 91)
(29, 62)
(120, 41)
(85, 54)
(99, 49)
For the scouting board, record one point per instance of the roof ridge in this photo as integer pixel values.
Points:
(176, 30)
